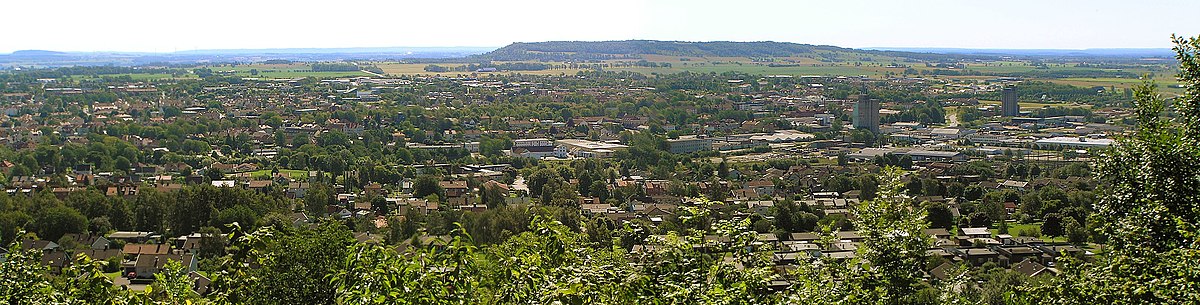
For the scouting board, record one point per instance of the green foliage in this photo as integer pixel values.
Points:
(427, 185)
(53, 222)
(1149, 207)
(291, 265)
(791, 217)
(927, 113)
(172, 285)
(25, 280)
(888, 266)
(317, 198)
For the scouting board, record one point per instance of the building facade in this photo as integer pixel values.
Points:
(1008, 102)
(689, 144)
(866, 114)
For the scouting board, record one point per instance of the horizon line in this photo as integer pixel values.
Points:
(878, 48)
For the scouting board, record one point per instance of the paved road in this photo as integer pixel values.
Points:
(952, 117)
(122, 281)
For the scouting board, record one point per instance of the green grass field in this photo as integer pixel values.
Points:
(294, 70)
(1014, 229)
(1164, 83)
(139, 76)
(266, 173)
(1013, 67)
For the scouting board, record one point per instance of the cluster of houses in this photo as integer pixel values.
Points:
(804, 109)
(136, 256)
(976, 247)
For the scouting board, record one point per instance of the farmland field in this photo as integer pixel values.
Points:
(1164, 83)
(397, 68)
(139, 76)
(293, 70)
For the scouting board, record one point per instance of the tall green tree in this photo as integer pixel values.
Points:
(1150, 206)
(52, 223)
(427, 185)
(889, 264)
(318, 196)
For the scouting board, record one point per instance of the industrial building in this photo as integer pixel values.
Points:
(1008, 102)
(866, 114)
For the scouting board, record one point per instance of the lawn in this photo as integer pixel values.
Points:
(293, 173)
(1014, 229)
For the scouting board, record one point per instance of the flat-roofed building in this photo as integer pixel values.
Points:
(590, 149)
(934, 155)
(1073, 142)
(689, 144)
(532, 142)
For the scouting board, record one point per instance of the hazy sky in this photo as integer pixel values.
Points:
(171, 25)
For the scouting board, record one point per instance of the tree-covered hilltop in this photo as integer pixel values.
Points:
(626, 49)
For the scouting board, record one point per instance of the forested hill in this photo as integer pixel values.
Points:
(600, 50)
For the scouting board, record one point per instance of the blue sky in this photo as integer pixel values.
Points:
(164, 26)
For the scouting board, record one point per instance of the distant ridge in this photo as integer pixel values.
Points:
(37, 53)
(618, 49)
(594, 50)
(557, 51)
(380, 50)
(1097, 52)
(42, 58)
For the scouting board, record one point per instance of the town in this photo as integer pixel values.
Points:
(207, 175)
(381, 151)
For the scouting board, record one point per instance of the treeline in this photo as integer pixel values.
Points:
(1061, 111)
(640, 63)
(513, 66)
(1036, 73)
(926, 113)
(93, 71)
(334, 67)
(175, 213)
(1037, 90)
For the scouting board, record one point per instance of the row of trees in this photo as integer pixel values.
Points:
(175, 213)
